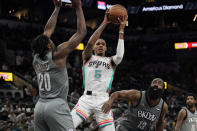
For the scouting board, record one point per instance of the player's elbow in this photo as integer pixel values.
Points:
(118, 59)
(84, 32)
(81, 35)
(120, 55)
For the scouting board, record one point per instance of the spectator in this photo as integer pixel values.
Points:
(3, 127)
(30, 123)
(8, 106)
(5, 67)
(25, 128)
(21, 123)
(12, 116)
(4, 115)
(2, 81)
(19, 106)
(14, 127)
(19, 61)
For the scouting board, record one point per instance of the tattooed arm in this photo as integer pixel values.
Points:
(64, 49)
(50, 26)
(87, 53)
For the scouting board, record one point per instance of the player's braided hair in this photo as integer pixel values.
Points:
(40, 45)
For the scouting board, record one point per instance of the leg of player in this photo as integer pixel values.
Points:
(77, 120)
(105, 120)
(108, 127)
(39, 125)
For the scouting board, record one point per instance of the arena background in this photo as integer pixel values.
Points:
(160, 41)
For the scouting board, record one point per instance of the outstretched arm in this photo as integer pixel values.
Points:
(51, 24)
(130, 95)
(87, 53)
(180, 119)
(65, 48)
(161, 122)
(120, 47)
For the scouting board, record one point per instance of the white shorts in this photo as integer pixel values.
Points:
(89, 104)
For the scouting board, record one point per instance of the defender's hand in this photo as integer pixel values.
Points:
(57, 3)
(106, 107)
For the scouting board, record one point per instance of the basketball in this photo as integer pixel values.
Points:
(115, 12)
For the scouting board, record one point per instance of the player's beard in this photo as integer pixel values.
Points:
(154, 92)
(190, 105)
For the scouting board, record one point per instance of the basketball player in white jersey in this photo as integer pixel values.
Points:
(98, 72)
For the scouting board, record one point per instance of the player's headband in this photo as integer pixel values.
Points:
(165, 85)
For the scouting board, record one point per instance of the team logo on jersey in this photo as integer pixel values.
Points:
(146, 115)
(97, 63)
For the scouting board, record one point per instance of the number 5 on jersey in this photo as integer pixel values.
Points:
(44, 79)
(97, 74)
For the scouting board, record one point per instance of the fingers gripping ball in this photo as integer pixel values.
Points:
(115, 12)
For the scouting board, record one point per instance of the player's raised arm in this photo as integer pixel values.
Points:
(120, 47)
(51, 24)
(130, 95)
(161, 122)
(66, 47)
(181, 116)
(87, 53)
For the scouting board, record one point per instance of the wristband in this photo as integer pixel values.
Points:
(120, 32)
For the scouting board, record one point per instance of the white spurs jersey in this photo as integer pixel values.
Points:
(98, 74)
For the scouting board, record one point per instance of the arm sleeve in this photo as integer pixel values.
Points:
(119, 52)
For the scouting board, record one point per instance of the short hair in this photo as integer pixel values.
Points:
(190, 94)
(40, 45)
(93, 51)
